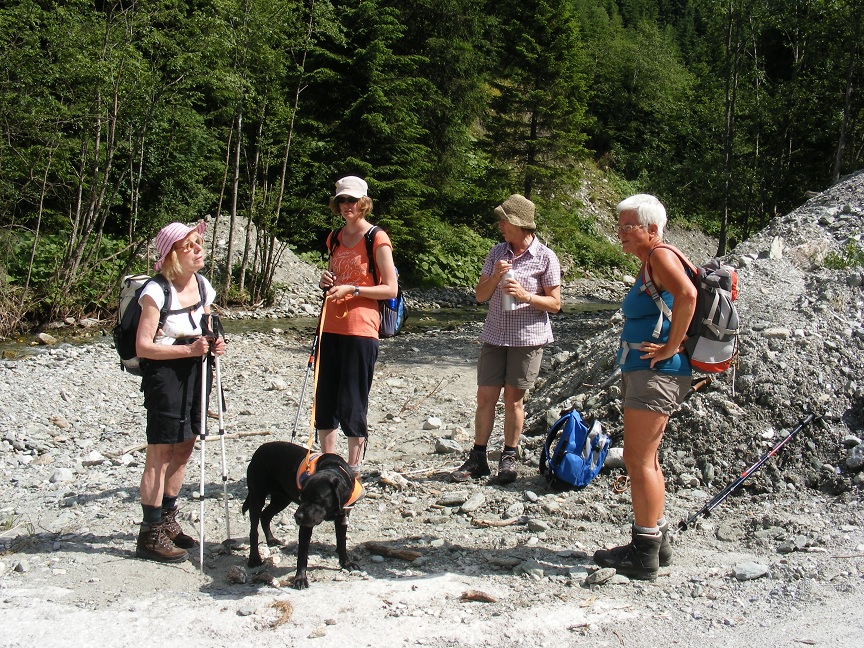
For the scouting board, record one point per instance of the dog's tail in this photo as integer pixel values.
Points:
(245, 505)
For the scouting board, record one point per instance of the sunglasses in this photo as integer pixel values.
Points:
(188, 246)
(345, 199)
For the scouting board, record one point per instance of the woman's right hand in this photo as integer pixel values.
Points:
(328, 279)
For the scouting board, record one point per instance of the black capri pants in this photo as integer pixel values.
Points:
(345, 370)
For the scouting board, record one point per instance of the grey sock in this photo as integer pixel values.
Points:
(646, 530)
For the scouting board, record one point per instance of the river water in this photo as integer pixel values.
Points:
(417, 322)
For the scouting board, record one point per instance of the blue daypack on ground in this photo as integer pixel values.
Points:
(578, 454)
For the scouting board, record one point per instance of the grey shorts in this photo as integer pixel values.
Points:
(514, 366)
(652, 390)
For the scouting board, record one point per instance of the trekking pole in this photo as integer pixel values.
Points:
(218, 331)
(202, 436)
(313, 356)
(715, 501)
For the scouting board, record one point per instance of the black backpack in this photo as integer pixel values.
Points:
(393, 312)
(129, 314)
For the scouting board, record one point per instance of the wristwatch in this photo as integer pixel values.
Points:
(356, 291)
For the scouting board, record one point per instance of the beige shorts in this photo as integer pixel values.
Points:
(514, 366)
(652, 390)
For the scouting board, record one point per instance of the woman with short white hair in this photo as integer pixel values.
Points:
(655, 377)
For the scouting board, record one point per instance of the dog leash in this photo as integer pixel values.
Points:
(315, 380)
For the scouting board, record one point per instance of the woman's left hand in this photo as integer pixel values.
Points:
(217, 347)
(340, 292)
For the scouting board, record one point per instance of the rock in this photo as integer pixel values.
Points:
(749, 571)
(530, 568)
(95, 458)
(455, 498)
(855, 458)
(538, 526)
(432, 423)
(473, 503)
(236, 575)
(277, 384)
(62, 476)
(46, 339)
(448, 446)
(600, 577)
(614, 458)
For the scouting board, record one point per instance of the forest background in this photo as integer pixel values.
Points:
(119, 117)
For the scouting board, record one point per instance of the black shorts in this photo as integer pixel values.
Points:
(345, 370)
(172, 396)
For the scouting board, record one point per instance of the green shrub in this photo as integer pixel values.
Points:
(849, 257)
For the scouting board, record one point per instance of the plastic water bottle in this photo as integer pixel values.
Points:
(393, 301)
(508, 302)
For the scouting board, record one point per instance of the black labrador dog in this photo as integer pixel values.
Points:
(323, 486)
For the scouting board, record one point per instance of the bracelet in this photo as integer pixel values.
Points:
(530, 298)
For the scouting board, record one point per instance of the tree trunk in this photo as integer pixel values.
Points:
(235, 190)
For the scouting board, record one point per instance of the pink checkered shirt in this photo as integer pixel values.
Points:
(536, 269)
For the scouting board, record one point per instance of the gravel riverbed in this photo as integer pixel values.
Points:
(781, 562)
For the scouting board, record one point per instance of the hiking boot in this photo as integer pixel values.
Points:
(507, 469)
(639, 559)
(476, 466)
(665, 553)
(154, 544)
(174, 532)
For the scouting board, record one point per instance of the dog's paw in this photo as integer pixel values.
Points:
(349, 565)
(274, 542)
(254, 561)
(300, 583)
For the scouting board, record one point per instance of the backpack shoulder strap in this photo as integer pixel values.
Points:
(334, 240)
(160, 279)
(651, 289)
(370, 244)
(202, 291)
(546, 455)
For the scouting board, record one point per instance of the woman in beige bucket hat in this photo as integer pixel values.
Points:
(513, 339)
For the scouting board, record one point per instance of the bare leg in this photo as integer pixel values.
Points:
(514, 415)
(327, 439)
(643, 431)
(484, 417)
(356, 446)
(176, 470)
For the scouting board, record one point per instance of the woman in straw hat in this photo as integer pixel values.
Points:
(513, 338)
(349, 340)
(173, 372)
